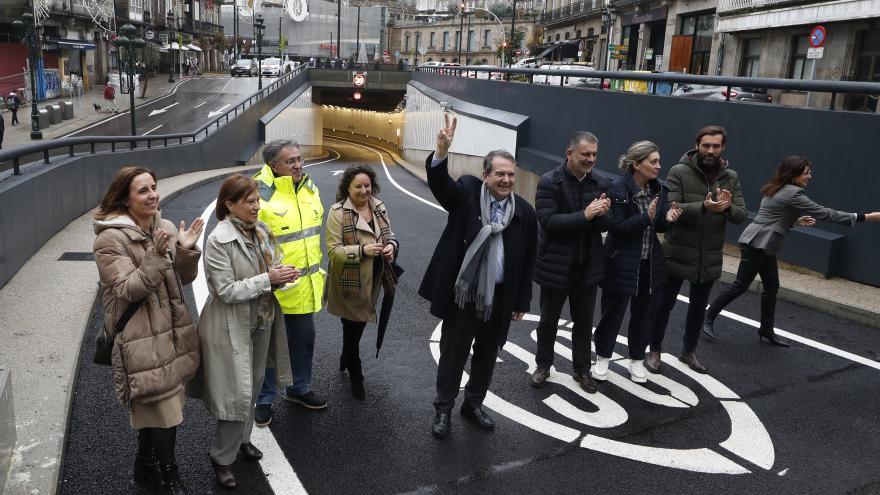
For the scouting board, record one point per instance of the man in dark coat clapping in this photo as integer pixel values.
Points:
(571, 204)
(479, 277)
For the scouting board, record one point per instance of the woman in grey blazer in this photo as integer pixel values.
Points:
(784, 205)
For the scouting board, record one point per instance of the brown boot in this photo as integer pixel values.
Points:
(690, 359)
(652, 362)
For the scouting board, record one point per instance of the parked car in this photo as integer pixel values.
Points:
(526, 63)
(712, 92)
(428, 65)
(485, 75)
(271, 66)
(448, 64)
(244, 67)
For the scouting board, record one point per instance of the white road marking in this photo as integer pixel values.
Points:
(153, 129)
(218, 111)
(279, 473)
(748, 437)
(697, 460)
(173, 91)
(200, 104)
(162, 110)
(225, 85)
(336, 172)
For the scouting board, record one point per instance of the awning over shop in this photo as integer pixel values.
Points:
(66, 44)
(558, 47)
(193, 48)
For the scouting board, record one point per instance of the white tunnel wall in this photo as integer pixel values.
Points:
(301, 121)
(384, 126)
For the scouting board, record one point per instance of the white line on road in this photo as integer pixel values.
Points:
(153, 129)
(200, 104)
(218, 111)
(162, 110)
(227, 84)
(742, 319)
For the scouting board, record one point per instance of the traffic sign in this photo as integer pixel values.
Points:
(814, 53)
(817, 37)
(359, 79)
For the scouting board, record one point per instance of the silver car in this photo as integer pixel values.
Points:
(712, 92)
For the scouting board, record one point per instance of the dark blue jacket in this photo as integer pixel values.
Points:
(623, 245)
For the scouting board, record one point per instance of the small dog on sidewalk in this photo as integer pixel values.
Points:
(97, 107)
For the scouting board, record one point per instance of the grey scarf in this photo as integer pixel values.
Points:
(476, 277)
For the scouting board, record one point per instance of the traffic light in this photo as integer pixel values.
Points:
(357, 96)
(504, 45)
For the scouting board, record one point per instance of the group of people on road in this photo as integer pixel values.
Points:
(263, 266)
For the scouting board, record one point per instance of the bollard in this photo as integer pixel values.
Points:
(66, 110)
(43, 118)
(54, 112)
(7, 425)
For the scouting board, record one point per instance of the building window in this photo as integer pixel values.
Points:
(549, 39)
(485, 61)
(567, 35)
(557, 36)
(470, 41)
(445, 41)
(430, 59)
(418, 40)
(486, 35)
(578, 35)
(751, 58)
(801, 67)
(433, 39)
(700, 26)
(443, 59)
(457, 40)
(406, 44)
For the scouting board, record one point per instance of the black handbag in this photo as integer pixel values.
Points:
(104, 344)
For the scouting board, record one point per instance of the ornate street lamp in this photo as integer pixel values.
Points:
(169, 18)
(129, 40)
(259, 26)
(28, 26)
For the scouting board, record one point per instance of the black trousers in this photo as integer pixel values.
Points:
(614, 308)
(14, 116)
(351, 344)
(754, 262)
(461, 329)
(581, 302)
(699, 297)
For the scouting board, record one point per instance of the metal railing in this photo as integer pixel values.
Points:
(734, 5)
(601, 77)
(572, 10)
(74, 146)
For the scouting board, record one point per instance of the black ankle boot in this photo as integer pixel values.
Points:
(171, 482)
(768, 319)
(357, 384)
(709, 326)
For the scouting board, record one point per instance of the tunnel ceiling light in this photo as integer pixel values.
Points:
(357, 96)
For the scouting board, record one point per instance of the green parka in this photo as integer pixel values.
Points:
(694, 243)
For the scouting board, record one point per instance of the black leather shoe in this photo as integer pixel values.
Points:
(357, 385)
(478, 417)
(772, 338)
(442, 423)
(709, 327)
(586, 381)
(171, 482)
(539, 377)
(224, 475)
(653, 362)
(690, 359)
(249, 451)
(146, 472)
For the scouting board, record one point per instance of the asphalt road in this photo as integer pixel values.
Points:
(766, 419)
(187, 109)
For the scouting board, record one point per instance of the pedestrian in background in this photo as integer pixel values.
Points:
(110, 96)
(144, 262)
(479, 277)
(360, 249)
(571, 203)
(241, 325)
(784, 205)
(14, 105)
(635, 268)
(291, 207)
(709, 194)
(2, 129)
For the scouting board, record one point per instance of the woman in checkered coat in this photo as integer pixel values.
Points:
(360, 248)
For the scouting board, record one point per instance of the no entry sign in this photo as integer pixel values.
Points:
(817, 37)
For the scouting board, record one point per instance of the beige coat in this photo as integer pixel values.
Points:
(225, 380)
(158, 351)
(361, 306)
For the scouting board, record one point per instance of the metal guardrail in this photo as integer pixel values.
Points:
(68, 146)
(823, 86)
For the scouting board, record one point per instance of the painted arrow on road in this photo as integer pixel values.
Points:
(218, 111)
(336, 172)
(161, 110)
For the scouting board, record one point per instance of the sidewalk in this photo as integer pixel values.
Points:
(84, 112)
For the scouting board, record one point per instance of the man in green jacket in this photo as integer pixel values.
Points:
(709, 193)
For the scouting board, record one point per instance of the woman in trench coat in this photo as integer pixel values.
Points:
(145, 260)
(360, 248)
(241, 325)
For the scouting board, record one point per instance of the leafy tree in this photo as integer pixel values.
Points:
(513, 44)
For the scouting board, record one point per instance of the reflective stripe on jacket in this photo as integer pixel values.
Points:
(294, 213)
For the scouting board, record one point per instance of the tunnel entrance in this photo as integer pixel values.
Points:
(360, 99)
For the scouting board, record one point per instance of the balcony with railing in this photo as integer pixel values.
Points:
(574, 10)
(727, 6)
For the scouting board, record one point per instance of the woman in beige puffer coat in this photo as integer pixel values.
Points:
(142, 257)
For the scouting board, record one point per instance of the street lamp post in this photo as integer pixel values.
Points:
(129, 40)
(607, 19)
(259, 26)
(28, 25)
(503, 33)
(170, 23)
(460, 31)
(338, 25)
(513, 33)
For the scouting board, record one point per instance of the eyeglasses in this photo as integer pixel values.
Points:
(291, 161)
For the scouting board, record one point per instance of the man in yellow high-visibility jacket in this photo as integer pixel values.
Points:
(291, 207)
